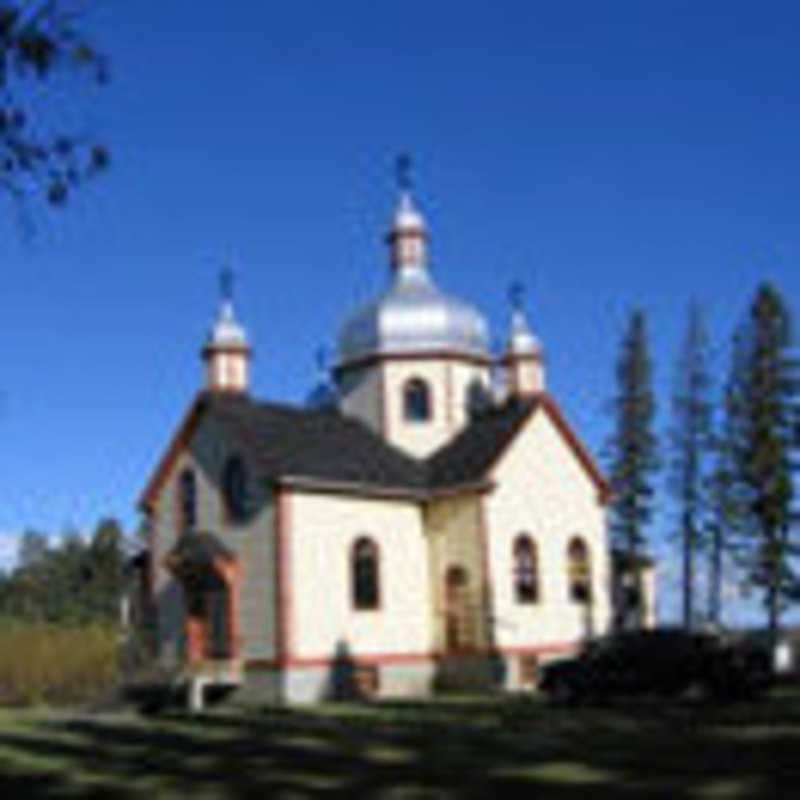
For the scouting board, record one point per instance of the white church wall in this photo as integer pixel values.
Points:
(323, 621)
(449, 381)
(544, 491)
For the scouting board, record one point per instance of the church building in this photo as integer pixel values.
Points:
(429, 520)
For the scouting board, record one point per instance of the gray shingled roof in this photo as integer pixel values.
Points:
(327, 447)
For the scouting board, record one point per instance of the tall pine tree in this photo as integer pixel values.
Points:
(764, 396)
(633, 457)
(690, 444)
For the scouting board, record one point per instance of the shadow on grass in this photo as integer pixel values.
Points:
(457, 748)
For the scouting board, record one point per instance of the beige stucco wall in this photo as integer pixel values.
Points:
(448, 380)
(252, 541)
(321, 531)
(455, 534)
(543, 490)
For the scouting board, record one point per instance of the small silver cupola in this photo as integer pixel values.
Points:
(524, 358)
(227, 352)
(413, 316)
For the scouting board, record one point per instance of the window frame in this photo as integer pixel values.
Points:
(417, 400)
(187, 501)
(579, 571)
(236, 508)
(525, 542)
(372, 600)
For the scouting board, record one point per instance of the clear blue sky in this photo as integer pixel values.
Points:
(609, 155)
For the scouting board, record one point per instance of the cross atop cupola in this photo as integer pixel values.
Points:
(227, 352)
(408, 235)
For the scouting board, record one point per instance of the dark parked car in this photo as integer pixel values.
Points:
(662, 661)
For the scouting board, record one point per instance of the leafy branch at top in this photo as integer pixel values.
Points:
(39, 40)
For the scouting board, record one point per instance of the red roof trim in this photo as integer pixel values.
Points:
(185, 432)
(582, 454)
(545, 401)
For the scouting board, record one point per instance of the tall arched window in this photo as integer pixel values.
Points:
(416, 400)
(364, 568)
(234, 489)
(187, 501)
(526, 570)
(579, 571)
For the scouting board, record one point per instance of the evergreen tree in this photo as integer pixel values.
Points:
(763, 397)
(633, 456)
(690, 440)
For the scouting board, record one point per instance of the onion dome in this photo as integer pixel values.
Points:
(522, 341)
(227, 351)
(226, 331)
(413, 315)
(524, 357)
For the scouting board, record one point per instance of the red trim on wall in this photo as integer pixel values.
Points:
(283, 608)
(184, 433)
(488, 595)
(152, 554)
(555, 648)
(545, 401)
(231, 572)
(577, 446)
(387, 659)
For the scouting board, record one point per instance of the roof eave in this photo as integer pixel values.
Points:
(415, 494)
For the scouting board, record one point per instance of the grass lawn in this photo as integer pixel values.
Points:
(448, 748)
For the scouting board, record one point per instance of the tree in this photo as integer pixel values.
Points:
(763, 398)
(39, 43)
(690, 440)
(104, 566)
(73, 582)
(633, 457)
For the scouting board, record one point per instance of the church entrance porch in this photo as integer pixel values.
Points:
(464, 664)
(210, 577)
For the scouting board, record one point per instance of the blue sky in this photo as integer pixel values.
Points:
(609, 155)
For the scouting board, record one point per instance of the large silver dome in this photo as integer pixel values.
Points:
(414, 316)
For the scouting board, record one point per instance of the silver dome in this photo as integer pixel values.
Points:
(413, 316)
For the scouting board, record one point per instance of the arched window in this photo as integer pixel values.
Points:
(187, 501)
(416, 400)
(526, 570)
(579, 571)
(364, 568)
(234, 489)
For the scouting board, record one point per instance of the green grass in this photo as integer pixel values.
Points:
(448, 748)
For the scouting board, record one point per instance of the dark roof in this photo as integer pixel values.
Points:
(470, 455)
(321, 448)
(323, 445)
(318, 444)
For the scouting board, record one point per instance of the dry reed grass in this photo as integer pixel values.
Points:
(55, 664)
